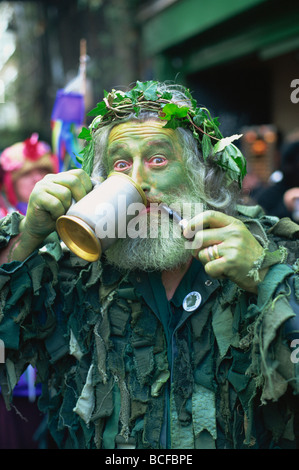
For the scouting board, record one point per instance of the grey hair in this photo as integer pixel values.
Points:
(205, 176)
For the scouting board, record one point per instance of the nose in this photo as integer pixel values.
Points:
(139, 175)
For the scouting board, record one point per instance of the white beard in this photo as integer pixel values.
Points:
(159, 249)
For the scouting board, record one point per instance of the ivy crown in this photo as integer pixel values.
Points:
(152, 96)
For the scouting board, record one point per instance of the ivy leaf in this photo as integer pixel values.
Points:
(198, 120)
(137, 110)
(172, 123)
(216, 121)
(87, 157)
(173, 110)
(149, 89)
(233, 162)
(100, 109)
(79, 159)
(166, 96)
(221, 144)
(206, 146)
(200, 117)
(85, 134)
(119, 95)
(133, 95)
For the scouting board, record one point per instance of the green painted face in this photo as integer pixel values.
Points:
(150, 154)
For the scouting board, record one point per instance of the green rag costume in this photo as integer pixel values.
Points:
(123, 367)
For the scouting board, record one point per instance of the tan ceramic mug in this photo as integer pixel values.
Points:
(95, 222)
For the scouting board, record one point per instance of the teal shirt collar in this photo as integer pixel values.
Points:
(150, 287)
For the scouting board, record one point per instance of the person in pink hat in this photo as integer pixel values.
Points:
(22, 165)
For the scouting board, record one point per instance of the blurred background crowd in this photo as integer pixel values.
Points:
(239, 58)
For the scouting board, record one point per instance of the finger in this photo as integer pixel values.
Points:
(62, 193)
(207, 219)
(48, 187)
(84, 178)
(208, 237)
(76, 183)
(216, 268)
(49, 203)
(210, 253)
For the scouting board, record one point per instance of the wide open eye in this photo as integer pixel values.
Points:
(158, 160)
(122, 165)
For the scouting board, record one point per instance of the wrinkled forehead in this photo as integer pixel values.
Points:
(147, 130)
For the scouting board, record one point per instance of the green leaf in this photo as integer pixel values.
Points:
(198, 120)
(133, 95)
(233, 162)
(78, 158)
(166, 96)
(87, 157)
(85, 134)
(100, 109)
(206, 146)
(216, 121)
(137, 110)
(149, 90)
(173, 110)
(200, 117)
(172, 123)
(119, 95)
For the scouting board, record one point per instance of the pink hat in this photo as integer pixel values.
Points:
(23, 157)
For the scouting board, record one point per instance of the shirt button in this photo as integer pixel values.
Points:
(192, 301)
(208, 283)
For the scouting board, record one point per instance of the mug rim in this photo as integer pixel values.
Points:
(137, 186)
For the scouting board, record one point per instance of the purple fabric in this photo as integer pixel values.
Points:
(68, 107)
(21, 389)
(24, 389)
(22, 207)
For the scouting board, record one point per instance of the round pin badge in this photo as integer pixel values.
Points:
(192, 301)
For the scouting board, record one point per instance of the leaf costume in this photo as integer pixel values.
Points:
(123, 367)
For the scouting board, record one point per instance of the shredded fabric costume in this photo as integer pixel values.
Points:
(123, 367)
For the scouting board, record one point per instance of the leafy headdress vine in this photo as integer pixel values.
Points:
(149, 96)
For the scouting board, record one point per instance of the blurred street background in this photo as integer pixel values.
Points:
(238, 57)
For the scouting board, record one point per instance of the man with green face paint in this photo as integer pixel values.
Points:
(158, 344)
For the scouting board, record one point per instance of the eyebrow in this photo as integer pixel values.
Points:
(164, 143)
(116, 147)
